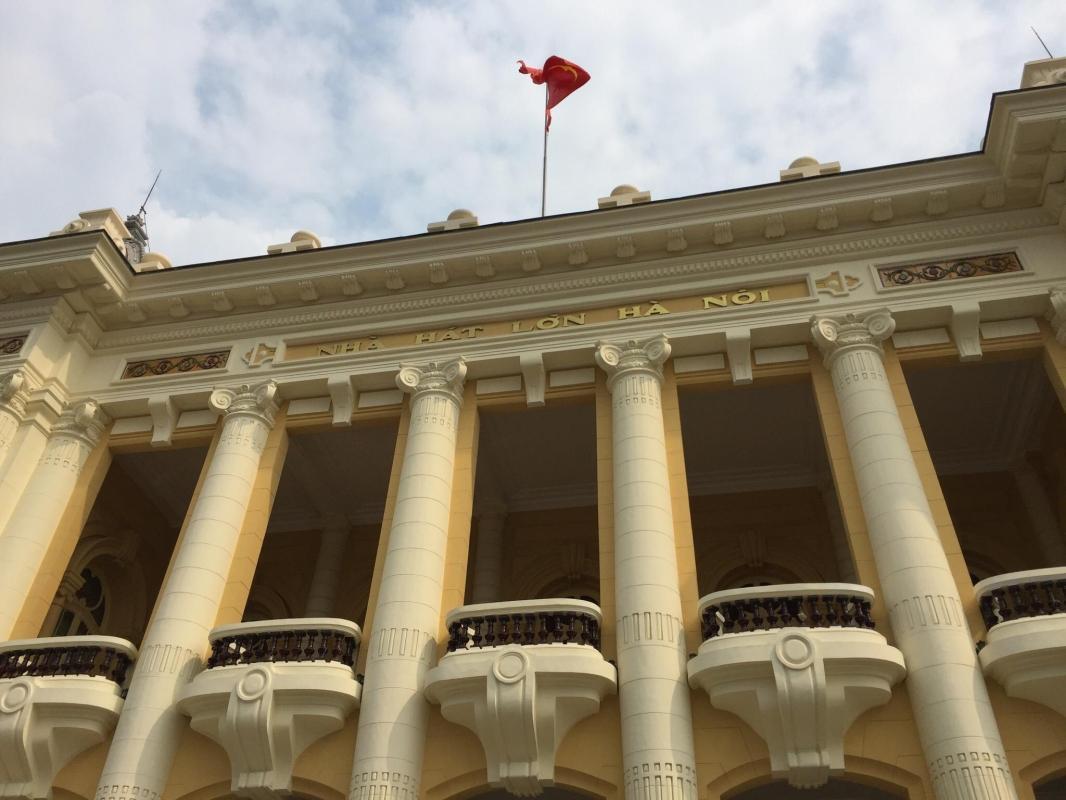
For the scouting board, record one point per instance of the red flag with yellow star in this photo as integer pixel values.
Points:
(562, 77)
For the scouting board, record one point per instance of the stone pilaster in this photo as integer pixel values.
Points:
(958, 731)
(489, 556)
(150, 727)
(658, 756)
(322, 596)
(36, 517)
(13, 395)
(402, 644)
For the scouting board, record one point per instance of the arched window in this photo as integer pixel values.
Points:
(84, 610)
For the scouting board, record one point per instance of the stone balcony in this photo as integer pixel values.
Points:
(798, 663)
(58, 697)
(1025, 649)
(520, 675)
(270, 690)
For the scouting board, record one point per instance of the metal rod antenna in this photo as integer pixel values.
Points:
(150, 190)
(544, 165)
(1037, 35)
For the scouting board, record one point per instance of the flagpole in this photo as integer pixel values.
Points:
(544, 165)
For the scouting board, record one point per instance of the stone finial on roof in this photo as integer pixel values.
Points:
(460, 218)
(1045, 72)
(301, 240)
(152, 262)
(808, 167)
(624, 195)
(101, 219)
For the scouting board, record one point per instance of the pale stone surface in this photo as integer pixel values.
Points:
(266, 714)
(46, 721)
(521, 700)
(800, 688)
(138, 764)
(33, 523)
(959, 734)
(403, 638)
(657, 740)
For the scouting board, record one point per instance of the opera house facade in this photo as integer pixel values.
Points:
(756, 494)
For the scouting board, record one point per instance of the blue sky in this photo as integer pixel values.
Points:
(366, 120)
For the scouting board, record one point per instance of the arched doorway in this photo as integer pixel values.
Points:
(835, 789)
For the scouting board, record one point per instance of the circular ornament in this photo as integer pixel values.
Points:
(795, 651)
(510, 666)
(16, 697)
(253, 685)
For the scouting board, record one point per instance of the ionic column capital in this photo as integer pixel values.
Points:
(1057, 315)
(645, 356)
(839, 333)
(14, 392)
(83, 421)
(437, 377)
(257, 401)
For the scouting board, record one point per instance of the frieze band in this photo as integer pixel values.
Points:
(952, 269)
(196, 362)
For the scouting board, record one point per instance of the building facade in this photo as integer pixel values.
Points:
(755, 494)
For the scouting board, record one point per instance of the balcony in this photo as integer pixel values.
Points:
(798, 663)
(58, 697)
(270, 690)
(520, 675)
(1025, 649)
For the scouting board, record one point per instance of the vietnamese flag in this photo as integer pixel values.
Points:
(562, 77)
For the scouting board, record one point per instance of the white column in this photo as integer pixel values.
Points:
(33, 522)
(403, 640)
(322, 596)
(489, 556)
(13, 395)
(956, 726)
(150, 726)
(657, 742)
(1041, 514)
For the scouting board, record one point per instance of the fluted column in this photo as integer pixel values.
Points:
(1045, 524)
(33, 523)
(150, 727)
(957, 729)
(489, 557)
(394, 714)
(323, 593)
(657, 742)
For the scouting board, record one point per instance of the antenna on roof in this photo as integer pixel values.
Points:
(137, 224)
(1037, 35)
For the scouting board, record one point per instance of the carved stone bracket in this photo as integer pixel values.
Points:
(837, 334)
(259, 402)
(800, 689)
(444, 378)
(645, 356)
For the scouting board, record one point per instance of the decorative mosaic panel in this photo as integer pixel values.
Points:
(197, 362)
(950, 269)
(12, 345)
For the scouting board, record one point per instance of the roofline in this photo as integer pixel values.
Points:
(568, 214)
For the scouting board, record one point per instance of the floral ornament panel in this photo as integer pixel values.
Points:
(952, 269)
(197, 362)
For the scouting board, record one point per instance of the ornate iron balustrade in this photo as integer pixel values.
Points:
(530, 623)
(49, 660)
(1022, 595)
(788, 606)
(283, 641)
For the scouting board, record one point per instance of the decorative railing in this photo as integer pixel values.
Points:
(528, 622)
(796, 605)
(66, 656)
(1021, 595)
(283, 641)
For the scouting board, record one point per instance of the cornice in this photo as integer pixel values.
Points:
(633, 274)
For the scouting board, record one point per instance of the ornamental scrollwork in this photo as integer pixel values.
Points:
(259, 401)
(835, 334)
(949, 270)
(196, 362)
(646, 356)
(437, 377)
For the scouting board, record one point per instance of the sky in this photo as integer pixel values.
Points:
(365, 120)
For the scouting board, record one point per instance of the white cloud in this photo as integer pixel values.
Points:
(372, 120)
